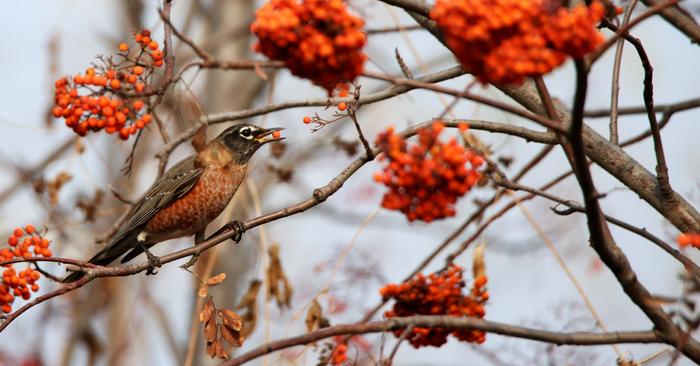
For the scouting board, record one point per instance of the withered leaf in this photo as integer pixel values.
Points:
(207, 311)
(314, 316)
(478, 263)
(231, 336)
(249, 302)
(211, 349)
(203, 291)
(219, 350)
(280, 289)
(210, 330)
(213, 281)
(53, 187)
(251, 296)
(231, 319)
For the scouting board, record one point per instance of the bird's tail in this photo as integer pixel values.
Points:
(105, 256)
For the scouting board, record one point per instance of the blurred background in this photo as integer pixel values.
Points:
(342, 251)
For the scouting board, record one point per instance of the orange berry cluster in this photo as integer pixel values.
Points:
(18, 284)
(107, 97)
(438, 294)
(426, 179)
(340, 352)
(504, 41)
(688, 239)
(316, 39)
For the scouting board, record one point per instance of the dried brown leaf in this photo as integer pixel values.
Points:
(219, 350)
(211, 349)
(231, 319)
(53, 187)
(279, 287)
(251, 296)
(231, 336)
(213, 281)
(277, 149)
(203, 291)
(478, 263)
(207, 311)
(210, 330)
(314, 316)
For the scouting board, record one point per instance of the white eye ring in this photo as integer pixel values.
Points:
(246, 133)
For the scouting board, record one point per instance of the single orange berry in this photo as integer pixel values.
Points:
(12, 241)
(139, 87)
(124, 133)
(138, 105)
(131, 79)
(153, 45)
(146, 118)
(123, 47)
(18, 232)
(342, 106)
(307, 119)
(35, 287)
(138, 70)
(115, 84)
(57, 111)
(30, 229)
(158, 63)
(276, 134)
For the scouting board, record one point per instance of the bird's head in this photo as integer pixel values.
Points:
(243, 140)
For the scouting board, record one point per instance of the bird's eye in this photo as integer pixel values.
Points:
(246, 132)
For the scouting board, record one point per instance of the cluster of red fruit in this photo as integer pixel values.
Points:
(686, 239)
(109, 97)
(438, 294)
(340, 352)
(504, 41)
(426, 179)
(18, 284)
(316, 39)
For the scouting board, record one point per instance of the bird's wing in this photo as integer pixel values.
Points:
(175, 183)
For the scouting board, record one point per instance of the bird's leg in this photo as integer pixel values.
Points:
(198, 238)
(236, 226)
(153, 261)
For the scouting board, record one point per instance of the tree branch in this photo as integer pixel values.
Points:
(558, 338)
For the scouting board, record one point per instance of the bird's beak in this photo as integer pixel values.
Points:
(269, 135)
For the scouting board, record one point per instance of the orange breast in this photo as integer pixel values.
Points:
(202, 204)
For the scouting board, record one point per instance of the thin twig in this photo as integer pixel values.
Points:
(615, 89)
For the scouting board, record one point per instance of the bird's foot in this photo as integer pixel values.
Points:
(238, 227)
(153, 262)
(190, 262)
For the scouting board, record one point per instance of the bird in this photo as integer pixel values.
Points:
(184, 200)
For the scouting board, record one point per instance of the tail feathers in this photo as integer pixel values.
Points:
(106, 256)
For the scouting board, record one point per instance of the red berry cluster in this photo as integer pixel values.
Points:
(504, 41)
(426, 179)
(340, 352)
(109, 97)
(438, 294)
(688, 239)
(316, 39)
(18, 284)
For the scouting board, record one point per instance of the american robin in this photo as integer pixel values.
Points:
(187, 197)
